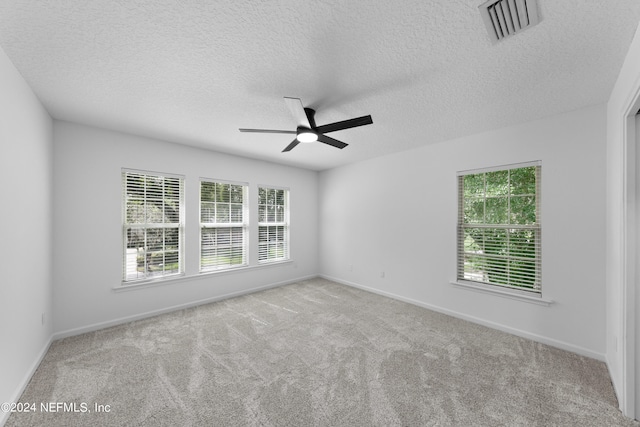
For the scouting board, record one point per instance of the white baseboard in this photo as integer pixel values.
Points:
(114, 322)
(518, 332)
(4, 416)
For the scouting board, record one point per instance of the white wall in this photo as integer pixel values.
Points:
(397, 214)
(624, 94)
(87, 251)
(25, 214)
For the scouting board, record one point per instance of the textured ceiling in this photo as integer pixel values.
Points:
(195, 71)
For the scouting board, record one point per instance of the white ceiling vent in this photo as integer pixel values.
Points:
(505, 18)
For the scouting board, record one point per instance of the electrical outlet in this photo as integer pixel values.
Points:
(43, 318)
(382, 274)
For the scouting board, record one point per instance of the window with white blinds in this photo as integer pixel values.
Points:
(273, 224)
(499, 227)
(153, 225)
(223, 225)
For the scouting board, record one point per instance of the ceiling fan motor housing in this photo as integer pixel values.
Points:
(311, 115)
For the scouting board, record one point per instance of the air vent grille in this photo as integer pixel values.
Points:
(505, 18)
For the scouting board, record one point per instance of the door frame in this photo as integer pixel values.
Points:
(629, 263)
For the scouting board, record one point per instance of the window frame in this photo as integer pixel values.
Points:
(145, 226)
(244, 225)
(266, 225)
(535, 228)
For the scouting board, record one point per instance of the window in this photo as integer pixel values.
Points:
(223, 229)
(273, 224)
(153, 225)
(499, 227)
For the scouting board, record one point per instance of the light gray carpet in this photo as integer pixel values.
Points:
(316, 353)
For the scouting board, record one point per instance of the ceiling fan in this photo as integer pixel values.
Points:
(307, 130)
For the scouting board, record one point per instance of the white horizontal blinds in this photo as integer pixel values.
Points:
(153, 225)
(273, 224)
(223, 229)
(499, 228)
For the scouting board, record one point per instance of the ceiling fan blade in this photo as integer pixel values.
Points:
(268, 131)
(328, 140)
(345, 124)
(291, 146)
(297, 109)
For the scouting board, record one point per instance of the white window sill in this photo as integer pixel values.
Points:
(503, 292)
(180, 278)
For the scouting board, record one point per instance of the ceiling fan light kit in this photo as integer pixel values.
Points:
(307, 131)
(306, 135)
